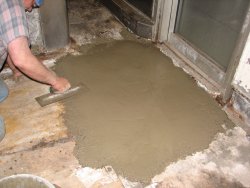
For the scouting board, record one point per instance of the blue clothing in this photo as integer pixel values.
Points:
(3, 90)
(2, 129)
(3, 94)
(39, 2)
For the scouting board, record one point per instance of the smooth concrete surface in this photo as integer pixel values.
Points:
(140, 113)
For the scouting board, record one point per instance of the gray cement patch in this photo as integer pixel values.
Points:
(140, 113)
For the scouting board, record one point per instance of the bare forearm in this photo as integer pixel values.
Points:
(36, 70)
(10, 63)
(23, 59)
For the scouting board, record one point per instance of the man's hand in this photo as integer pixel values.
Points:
(61, 84)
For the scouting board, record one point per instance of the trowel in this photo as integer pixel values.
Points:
(54, 96)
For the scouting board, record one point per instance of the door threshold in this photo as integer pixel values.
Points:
(137, 22)
(202, 79)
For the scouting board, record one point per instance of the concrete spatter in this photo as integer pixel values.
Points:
(140, 113)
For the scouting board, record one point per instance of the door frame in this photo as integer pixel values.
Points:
(200, 62)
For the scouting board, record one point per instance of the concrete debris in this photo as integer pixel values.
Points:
(226, 163)
(105, 177)
(94, 178)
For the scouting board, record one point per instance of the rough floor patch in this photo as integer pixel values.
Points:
(140, 112)
(56, 164)
(91, 22)
(93, 178)
(36, 140)
(225, 164)
(27, 124)
(104, 177)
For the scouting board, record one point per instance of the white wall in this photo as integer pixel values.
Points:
(242, 76)
(241, 96)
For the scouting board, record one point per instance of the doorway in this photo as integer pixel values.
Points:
(138, 15)
(212, 26)
(209, 34)
(145, 6)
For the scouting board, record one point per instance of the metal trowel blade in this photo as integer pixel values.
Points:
(53, 97)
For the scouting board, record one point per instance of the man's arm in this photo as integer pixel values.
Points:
(23, 58)
(16, 72)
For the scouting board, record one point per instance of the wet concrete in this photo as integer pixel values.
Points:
(140, 113)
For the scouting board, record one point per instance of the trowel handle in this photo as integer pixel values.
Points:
(76, 87)
(52, 90)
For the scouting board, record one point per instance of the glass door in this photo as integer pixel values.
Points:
(207, 33)
(212, 26)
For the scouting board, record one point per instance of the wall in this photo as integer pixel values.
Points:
(48, 25)
(34, 27)
(242, 77)
(241, 84)
(54, 21)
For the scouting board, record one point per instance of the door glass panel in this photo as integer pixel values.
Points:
(143, 5)
(212, 26)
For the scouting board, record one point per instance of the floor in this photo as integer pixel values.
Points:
(138, 110)
(140, 121)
